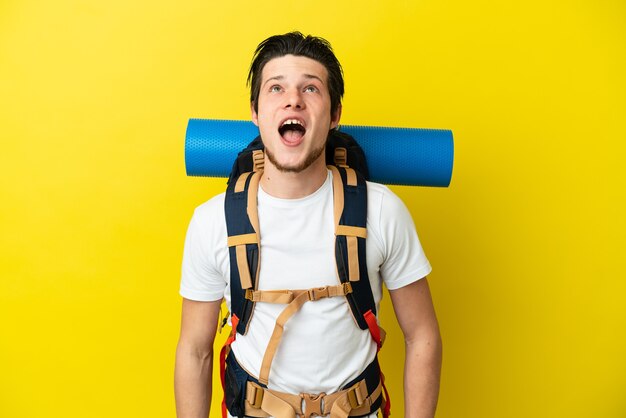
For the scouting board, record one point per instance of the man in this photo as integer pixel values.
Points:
(296, 89)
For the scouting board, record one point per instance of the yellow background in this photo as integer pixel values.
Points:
(527, 244)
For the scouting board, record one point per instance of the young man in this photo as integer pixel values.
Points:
(296, 90)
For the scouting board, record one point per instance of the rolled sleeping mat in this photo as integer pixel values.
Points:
(402, 156)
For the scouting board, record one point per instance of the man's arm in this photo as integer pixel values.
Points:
(416, 315)
(194, 358)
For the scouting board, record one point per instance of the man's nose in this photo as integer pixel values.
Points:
(294, 99)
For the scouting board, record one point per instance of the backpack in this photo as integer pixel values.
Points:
(346, 160)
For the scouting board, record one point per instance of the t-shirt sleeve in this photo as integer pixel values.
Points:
(404, 258)
(201, 279)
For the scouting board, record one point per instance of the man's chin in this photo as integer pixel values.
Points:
(289, 167)
(294, 166)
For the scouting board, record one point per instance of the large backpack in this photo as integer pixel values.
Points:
(347, 162)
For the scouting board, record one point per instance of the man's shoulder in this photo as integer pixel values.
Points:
(378, 189)
(210, 210)
(380, 196)
(207, 228)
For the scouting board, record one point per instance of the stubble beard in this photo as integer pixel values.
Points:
(306, 163)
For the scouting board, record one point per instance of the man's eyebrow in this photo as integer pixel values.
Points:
(276, 77)
(282, 77)
(315, 77)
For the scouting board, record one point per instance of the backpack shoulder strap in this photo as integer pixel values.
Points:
(350, 211)
(242, 225)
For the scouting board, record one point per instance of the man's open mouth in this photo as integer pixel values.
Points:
(292, 130)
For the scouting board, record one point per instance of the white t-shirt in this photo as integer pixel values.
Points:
(322, 348)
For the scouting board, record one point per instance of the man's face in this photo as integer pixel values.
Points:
(294, 112)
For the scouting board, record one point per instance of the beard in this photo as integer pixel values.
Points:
(306, 163)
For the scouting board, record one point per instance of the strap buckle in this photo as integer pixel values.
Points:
(312, 404)
(258, 160)
(356, 397)
(341, 157)
(248, 294)
(255, 399)
(318, 293)
(347, 288)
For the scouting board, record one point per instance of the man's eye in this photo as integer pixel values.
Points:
(274, 89)
(311, 89)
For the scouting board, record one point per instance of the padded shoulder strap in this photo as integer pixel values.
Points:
(350, 201)
(242, 225)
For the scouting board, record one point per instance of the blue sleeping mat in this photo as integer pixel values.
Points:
(402, 156)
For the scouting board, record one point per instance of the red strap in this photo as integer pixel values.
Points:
(387, 407)
(225, 348)
(372, 324)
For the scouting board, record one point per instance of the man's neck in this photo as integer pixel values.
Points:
(293, 185)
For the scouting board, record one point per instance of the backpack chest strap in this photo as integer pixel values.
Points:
(287, 296)
(296, 298)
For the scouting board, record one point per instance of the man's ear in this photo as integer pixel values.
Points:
(255, 116)
(334, 118)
